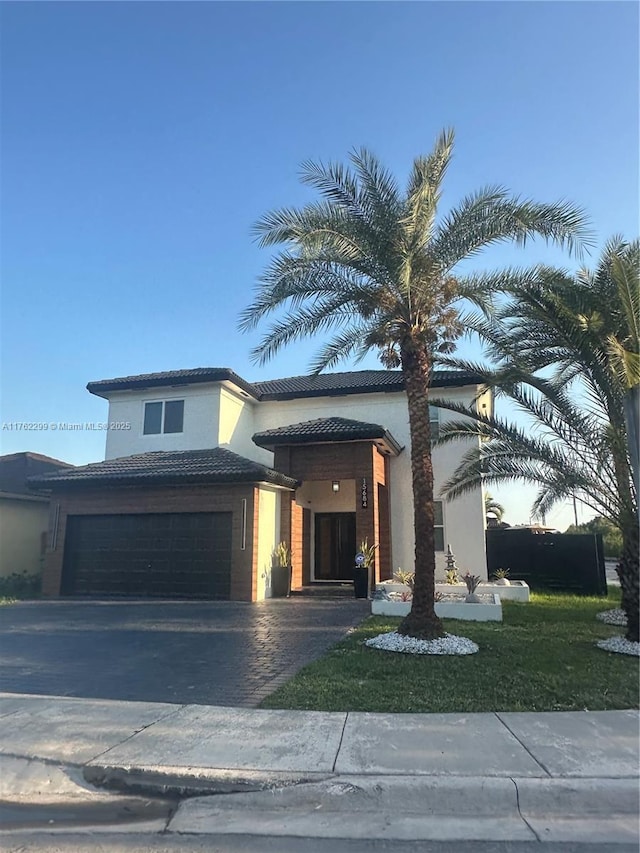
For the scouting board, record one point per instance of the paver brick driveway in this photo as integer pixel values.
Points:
(210, 653)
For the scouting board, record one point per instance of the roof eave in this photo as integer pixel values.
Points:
(167, 480)
(385, 439)
(106, 388)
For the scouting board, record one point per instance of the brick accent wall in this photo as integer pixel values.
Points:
(169, 499)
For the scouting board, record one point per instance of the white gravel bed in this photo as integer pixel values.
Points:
(450, 644)
(617, 616)
(619, 645)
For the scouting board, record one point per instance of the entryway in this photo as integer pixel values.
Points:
(335, 546)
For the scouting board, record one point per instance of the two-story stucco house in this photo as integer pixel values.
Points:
(205, 473)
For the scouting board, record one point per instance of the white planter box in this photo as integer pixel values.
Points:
(489, 612)
(517, 591)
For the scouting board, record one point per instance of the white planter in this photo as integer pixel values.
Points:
(483, 612)
(516, 591)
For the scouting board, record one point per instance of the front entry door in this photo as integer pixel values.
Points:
(335, 546)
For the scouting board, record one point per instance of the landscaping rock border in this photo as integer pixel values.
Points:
(616, 616)
(620, 645)
(450, 644)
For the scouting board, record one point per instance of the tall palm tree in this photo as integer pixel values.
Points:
(378, 267)
(583, 330)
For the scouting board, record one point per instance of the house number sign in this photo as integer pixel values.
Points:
(364, 494)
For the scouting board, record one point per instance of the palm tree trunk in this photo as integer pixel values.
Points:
(422, 621)
(627, 570)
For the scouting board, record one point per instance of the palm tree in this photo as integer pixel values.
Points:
(377, 267)
(582, 329)
(492, 507)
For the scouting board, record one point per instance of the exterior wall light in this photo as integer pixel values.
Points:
(335, 486)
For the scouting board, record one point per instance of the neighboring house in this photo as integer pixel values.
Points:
(205, 473)
(24, 512)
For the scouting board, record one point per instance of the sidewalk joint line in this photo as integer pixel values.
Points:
(144, 728)
(344, 726)
(523, 745)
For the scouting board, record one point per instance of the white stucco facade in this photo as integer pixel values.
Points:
(220, 415)
(268, 537)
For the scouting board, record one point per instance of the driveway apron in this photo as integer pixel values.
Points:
(209, 653)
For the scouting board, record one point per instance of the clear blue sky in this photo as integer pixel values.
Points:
(140, 141)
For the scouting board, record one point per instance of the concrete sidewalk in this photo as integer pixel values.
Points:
(555, 776)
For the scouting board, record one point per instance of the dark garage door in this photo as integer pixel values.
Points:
(177, 555)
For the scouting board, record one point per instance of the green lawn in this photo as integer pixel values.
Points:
(542, 657)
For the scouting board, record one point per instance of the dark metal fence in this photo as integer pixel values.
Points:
(549, 561)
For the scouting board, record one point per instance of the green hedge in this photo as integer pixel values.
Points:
(20, 585)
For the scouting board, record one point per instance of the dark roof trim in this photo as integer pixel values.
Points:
(29, 498)
(355, 382)
(275, 479)
(37, 457)
(171, 379)
(289, 388)
(325, 431)
(216, 466)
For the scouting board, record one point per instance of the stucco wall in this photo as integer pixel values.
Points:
(268, 537)
(236, 426)
(201, 421)
(22, 524)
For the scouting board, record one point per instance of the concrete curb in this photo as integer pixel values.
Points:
(425, 808)
(336, 806)
(191, 781)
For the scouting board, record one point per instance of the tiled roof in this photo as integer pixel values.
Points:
(326, 429)
(353, 382)
(16, 468)
(170, 378)
(216, 465)
(289, 388)
(330, 384)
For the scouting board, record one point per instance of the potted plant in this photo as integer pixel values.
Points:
(364, 560)
(501, 577)
(472, 582)
(281, 571)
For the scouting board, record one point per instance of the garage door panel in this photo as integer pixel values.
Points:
(125, 555)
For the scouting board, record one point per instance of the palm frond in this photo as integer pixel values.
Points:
(424, 192)
(491, 216)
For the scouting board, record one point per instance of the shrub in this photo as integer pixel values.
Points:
(407, 578)
(20, 585)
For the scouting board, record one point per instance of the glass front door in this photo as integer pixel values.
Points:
(335, 550)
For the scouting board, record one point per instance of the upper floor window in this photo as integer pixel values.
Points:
(167, 416)
(434, 420)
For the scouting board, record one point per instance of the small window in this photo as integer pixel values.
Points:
(165, 417)
(434, 420)
(173, 415)
(438, 525)
(152, 418)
